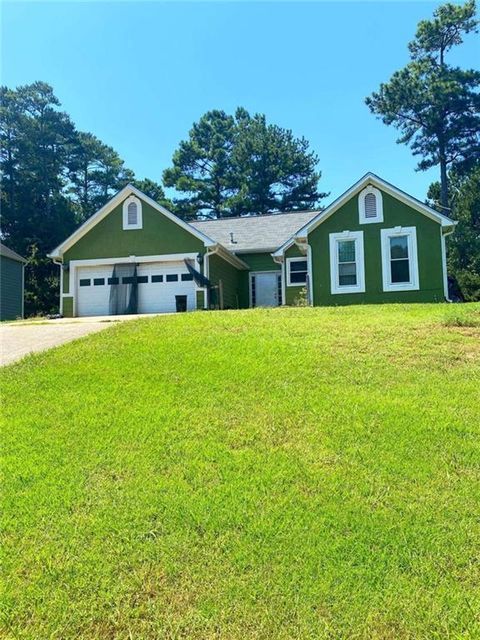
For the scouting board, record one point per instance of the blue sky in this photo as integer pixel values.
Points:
(137, 74)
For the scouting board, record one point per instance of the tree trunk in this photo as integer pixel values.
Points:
(443, 176)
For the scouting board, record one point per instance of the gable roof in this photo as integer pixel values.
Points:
(9, 253)
(367, 179)
(254, 233)
(114, 202)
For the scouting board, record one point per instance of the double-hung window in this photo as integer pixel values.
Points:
(399, 259)
(297, 271)
(347, 270)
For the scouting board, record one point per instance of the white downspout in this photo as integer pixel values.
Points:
(444, 262)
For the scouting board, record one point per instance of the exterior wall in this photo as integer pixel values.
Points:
(108, 239)
(220, 269)
(200, 299)
(68, 307)
(395, 213)
(256, 262)
(292, 292)
(11, 289)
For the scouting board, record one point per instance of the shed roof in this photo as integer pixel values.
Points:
(8, 253)
(254, 233)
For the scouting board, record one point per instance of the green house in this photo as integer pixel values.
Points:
(11, 284)
(373, 244)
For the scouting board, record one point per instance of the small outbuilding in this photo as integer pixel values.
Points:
(12, 282)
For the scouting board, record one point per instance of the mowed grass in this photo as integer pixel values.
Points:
(267, 474)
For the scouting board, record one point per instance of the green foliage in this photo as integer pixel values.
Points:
(53, 178)
(301, 300)
(240, 165)
(435, 106)
(464, 244)
(264, 474)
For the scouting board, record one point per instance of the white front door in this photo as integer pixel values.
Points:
(265, 289)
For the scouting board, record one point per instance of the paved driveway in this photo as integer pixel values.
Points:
(17, 340)
(21, 338)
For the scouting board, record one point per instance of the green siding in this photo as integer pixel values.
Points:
(395, 213)
(11, 289)
(68, 307)
(200, 299)
(220, 269)
(256, 262)
(159, 235)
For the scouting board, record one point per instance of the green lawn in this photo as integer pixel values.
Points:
(271, 474)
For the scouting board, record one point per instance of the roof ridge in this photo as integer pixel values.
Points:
(259, 215)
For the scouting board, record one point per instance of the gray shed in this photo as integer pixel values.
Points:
(11, 284)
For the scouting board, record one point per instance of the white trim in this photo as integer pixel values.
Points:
(362, 217)
(126, 203)
(114, 202)
(334, 238)
(310, 275)
(444, 263)
(23, 290)
(284, 286)
(411, 233)
(288, 262)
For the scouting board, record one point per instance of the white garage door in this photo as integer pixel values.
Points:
(158, 285)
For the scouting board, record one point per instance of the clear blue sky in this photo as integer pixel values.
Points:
(137, 75)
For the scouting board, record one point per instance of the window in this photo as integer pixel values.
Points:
(132, 213)
(142, 279)
(370, 205)
(98, 281)
(347, 264)
(186, 277)
(172, 277)
(157, 278)
(279, 290)
(85, 282)
(347, 270)
(399, 259)
(297, 270)
(128, 280)
(113, 280)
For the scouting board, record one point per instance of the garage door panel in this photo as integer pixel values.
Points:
(158, 286)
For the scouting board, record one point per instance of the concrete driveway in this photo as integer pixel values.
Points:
(21, 338)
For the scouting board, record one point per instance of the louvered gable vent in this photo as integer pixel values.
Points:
(132, 213)
(370, 206)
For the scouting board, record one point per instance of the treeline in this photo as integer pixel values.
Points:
(54, 177)
(436, 107)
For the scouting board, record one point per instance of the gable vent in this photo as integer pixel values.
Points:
(132, 213)
(370, 206)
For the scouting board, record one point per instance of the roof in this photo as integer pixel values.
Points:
(254, 233)
(367, 179)
(8, 253)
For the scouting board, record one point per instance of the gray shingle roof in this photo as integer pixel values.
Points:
(254, 233)
(8, 253)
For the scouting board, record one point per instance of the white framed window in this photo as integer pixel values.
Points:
(297, 272)
(347, 263)
(370, 205)
(132, 213)
(399, 259)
